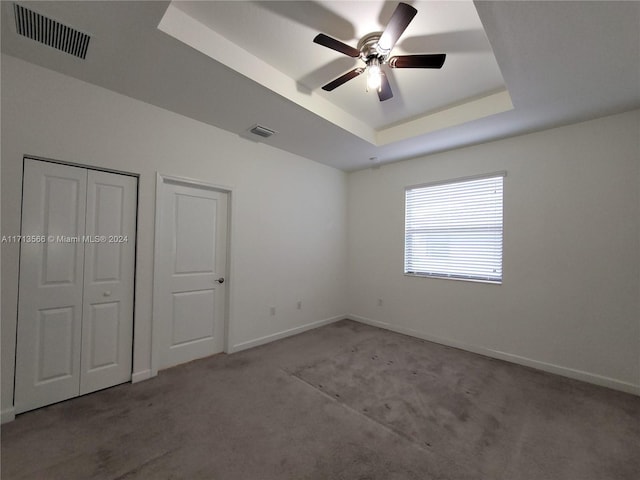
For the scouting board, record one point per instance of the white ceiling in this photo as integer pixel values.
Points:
(280, 34)
(235, 64)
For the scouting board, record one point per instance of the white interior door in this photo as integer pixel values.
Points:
(191, 264)
(107, 333)
(75, 315)
(51, 285)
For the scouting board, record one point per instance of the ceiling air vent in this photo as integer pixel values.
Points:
(45, 30)
(262, 131)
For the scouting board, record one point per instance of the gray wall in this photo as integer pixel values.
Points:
(289, 213)
(569, 301)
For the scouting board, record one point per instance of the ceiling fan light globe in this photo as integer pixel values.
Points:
(374, 78)
(374, 74)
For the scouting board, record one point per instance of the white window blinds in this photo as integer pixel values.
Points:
(454, 229)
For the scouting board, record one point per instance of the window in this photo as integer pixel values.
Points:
(454, 229)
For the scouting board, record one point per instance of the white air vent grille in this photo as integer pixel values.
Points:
(262, 131)
(54, 34)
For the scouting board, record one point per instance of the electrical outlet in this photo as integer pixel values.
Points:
(272, 311)
(299, 305)
(379, 302)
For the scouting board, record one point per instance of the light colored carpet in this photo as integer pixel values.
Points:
(346, 401)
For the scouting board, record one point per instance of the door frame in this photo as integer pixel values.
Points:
(161, 181)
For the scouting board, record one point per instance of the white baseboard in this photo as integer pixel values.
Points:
(141, 376)
(285, 333)
(509, 357)
(8, 415)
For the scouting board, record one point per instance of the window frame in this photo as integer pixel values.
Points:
(459, 277)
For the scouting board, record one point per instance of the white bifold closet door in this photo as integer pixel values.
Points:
(77, 258)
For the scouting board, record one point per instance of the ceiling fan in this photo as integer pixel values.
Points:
(374, 49)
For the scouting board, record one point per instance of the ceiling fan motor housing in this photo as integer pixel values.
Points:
(368, 46)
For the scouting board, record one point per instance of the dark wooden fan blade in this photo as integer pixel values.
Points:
(343, 79)
(337, 45)
(400, 20)
(385, 92)
(435, 60)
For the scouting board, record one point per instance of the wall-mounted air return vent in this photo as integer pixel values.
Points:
(45, 30)
(262, 131)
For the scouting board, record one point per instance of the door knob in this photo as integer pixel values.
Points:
(107, 293)
(220, 280)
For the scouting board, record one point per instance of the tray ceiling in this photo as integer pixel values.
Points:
(271, 42)
(237, 64)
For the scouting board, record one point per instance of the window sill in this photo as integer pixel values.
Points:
(443, 277)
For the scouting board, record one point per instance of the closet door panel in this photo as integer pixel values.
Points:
(77, 260)
(107, 333)
(51, 284)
